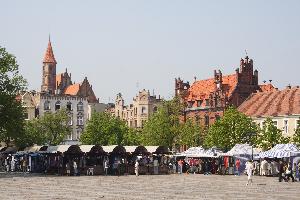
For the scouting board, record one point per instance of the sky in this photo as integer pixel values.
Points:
(128, 45)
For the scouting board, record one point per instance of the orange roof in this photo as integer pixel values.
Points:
(202, 89)
(267, 88)
(72, 89)
(272, 103)
(49, 56)
(58, 79)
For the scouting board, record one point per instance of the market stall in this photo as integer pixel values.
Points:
(93, 159)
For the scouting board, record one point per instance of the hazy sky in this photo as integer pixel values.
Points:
(125, 46)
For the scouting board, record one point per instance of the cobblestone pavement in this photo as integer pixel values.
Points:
(181, 187)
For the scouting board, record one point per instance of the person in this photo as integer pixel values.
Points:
(288, 173)
(106, 165)
(24, 165)
(68, 168)
(249, 170)
(281, 171)
(155, 165)
(75, 168)
(180, 164)
(136, 168)
(237, 166)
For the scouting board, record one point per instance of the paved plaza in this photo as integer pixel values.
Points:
(181, 187)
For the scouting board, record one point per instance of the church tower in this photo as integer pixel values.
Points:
(49, 71)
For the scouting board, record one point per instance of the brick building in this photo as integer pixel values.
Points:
(205, 100)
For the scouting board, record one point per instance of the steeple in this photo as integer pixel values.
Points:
(49, 56)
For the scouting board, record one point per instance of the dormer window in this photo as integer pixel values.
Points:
(190, 104)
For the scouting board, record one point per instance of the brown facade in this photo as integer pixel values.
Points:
(205, 100)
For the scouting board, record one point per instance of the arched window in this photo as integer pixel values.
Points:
(69, 106)
(144, 110)
(80, 106)
(57, 105)
(47, 105)
(155, 109)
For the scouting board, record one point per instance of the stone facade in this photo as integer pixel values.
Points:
(205, 100)
(137, 113)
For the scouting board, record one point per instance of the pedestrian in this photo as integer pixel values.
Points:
(249, 170)
(24, 165)
(155, 165)
(106, 165)
(180, 164)
(136, 168)
(288, 173)
(75, 168)
(237, 166)
(68, 169)
(281, 171)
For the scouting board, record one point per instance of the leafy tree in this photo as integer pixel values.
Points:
(233, 128)
(104, 129)
(163, 127)
(190, 134)
(270, 135)
(132, 137)
(11, 111)
(296, 136)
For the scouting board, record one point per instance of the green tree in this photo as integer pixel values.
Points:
(296, 137)
(270, 135)
(132, 137)
(163, 127)
(104, 129)
(190, 134)
(11, 111)
(233, 128)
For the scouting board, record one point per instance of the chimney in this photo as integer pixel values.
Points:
(289, 86)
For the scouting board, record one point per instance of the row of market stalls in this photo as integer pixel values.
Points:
(215, 161)
(88, 158)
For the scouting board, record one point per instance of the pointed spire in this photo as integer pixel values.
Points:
(49, 56)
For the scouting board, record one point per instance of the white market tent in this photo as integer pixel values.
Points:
(281, 151)
(242, 150)
(198, 152)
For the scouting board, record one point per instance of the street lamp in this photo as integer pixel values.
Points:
(249, 137)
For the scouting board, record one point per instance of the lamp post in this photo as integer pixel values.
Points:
(249, 137)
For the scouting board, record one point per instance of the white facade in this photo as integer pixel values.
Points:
(288, 124)
(77, 107)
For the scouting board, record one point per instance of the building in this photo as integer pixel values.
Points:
(59, 92)
(283, 107)
(137, 113)
(205, 100)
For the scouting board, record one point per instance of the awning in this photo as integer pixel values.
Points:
(96, 149)
(64, 149)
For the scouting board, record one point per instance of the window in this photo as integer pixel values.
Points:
(70, 120)
(217, 117)
(190, 104)
(144, 110)
(57, 105)
(285, 126)
(135, 123)
(206, 120)
(78, 134)
(197, 119)
(80, 106)
(199, 103)
(47, 105)
(26, 116)
(79, 119)
(297, 123)
(275, 123)
(206, 102)
(155, 109)
(69, 106)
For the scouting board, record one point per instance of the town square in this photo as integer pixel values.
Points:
(137, 99)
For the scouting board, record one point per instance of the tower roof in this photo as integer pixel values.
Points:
(49, 56)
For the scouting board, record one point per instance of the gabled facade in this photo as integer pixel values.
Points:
(205, 100)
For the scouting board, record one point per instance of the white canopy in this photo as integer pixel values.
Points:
(281, 151)
(243, 150)
(108, 149)
(199, 152)
(58, 148)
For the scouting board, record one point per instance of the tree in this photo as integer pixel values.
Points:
(270, 135)
(296, 136)
(163, 127)
(132, 137)
(104, 129)
(190, 134)
(233, 128)
(11, 111)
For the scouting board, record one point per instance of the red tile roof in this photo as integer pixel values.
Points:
(272, 103)
(267, 88)
(72, 89)
(49, 56)
(202, 89)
